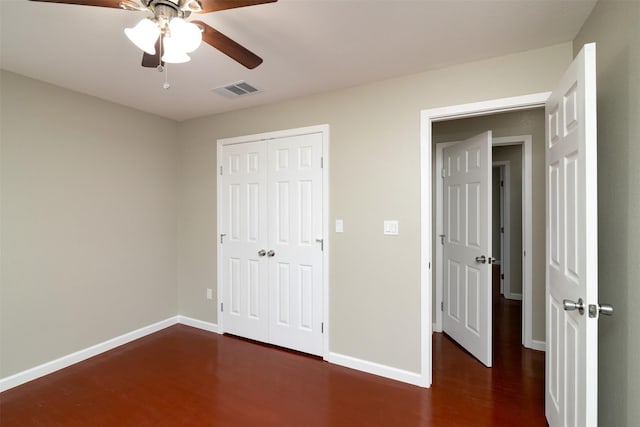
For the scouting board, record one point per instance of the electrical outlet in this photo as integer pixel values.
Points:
(209, 293)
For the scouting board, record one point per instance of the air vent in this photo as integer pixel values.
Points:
(236, 90)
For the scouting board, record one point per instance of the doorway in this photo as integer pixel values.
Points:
(428, 119)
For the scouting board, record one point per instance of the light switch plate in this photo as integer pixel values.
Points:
(339, 226)
(391, 228)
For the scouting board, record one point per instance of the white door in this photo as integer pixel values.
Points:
(244, 221)
(467, 245)
(572, 247)
(295, 224)
(271, 218)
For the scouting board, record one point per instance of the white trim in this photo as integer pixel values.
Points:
(426, 119)
(376, 369)
(324, 130)
(70, 359)
(200, 324)
(426, 222)
(538, 345)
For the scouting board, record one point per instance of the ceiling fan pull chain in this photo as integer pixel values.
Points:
(166, 84)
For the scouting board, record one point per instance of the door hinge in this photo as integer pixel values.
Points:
(322, 328)
(321, 162)
(441, 305)
(443, 173)
(222, 237)
(502, 276)
(501, 183)
(502, 229)
(221, 307)
(220, 170)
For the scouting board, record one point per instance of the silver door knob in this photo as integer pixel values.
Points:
(262, 252)
(270, 253)
(481, 259)
(601, 309)
(572, 305)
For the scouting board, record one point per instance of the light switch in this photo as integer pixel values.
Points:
(339, 226)
(391, 227)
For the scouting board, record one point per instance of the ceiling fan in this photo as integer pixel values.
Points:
(167, 37)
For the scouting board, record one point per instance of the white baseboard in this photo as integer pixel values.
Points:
(537, 345)
(64, 361)
(376, 369)
(508, 295)
(200, 324)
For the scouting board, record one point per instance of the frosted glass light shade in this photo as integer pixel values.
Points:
(144, 35)
(186, 35)
(173, 54)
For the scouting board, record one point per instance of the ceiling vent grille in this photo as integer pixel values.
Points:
(236, 90)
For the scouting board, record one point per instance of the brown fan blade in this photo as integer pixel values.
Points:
(152, 61)
(101, 3)
(215, 5)
(227, 46)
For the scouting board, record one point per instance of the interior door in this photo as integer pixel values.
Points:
(572, 247)
(295, 232)
(244, 224)
(467, 245)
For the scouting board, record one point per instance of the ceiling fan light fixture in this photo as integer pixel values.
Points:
(173, 53)
(144, 35)
(186, 35)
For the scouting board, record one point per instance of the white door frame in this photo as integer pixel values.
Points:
(324, 130)
(427, 117)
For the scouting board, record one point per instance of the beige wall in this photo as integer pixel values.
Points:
(374, 175)
(88, 221)
(527, 122)
(615, 27)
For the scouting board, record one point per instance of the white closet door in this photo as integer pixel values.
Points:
(244, 223)
(271, 218)
(295, 224)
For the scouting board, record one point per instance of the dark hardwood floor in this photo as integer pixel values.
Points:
(183, 376)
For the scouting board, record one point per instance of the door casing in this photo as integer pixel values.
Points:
(324, 131)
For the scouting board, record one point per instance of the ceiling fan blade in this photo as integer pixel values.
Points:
(215, 5)
(152, 61)
(102, 3)
(229, 47)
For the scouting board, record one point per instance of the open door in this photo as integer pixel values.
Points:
(467, 245)
(571, 396)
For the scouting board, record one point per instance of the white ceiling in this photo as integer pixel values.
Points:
(308, 46)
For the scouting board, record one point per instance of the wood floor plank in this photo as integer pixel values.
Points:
(183, 376)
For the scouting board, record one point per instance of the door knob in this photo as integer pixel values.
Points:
(481, 259)
(602, 309)
(572, 305)
(262, 252)
(270, 253)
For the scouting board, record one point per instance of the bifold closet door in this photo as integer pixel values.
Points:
(244, 218)
(271, 216)
(295, 224)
